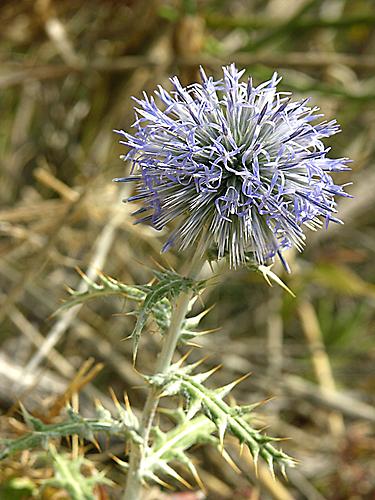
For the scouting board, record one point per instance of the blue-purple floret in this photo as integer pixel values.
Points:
(243, 166)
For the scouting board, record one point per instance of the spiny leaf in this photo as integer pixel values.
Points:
(225, 417)
(153, 299)
(172, 446)
(106, 287)
(124, 426)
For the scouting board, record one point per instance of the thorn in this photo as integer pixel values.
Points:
(134, 358)
(266, 400)
(198, 363)
(96, 444)
(160, 481)
(241, 448)
(270, 466)
(202, 314)
(196, 476)
(229, 460)
(114, 398)
(119, 461)
(127, 404)
(192, 366)
(194, 344)
(129, 336)
(97, 403)
(255, 455)
(281, 439)
(226, 389)
(201, 377)
(262, 429)
(249, 408)
(242, 378)
(169, 470)
(208, 332)
(265, 276)
(268, 274)
(183, 359)
(81, 273)
(283, 472)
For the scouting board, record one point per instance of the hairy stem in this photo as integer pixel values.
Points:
(170, 340)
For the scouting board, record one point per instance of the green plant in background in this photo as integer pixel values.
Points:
(240, 171)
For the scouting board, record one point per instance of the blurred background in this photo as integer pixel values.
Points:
(68, 71)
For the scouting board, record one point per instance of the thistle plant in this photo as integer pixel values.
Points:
(235, 172)
(238, 171)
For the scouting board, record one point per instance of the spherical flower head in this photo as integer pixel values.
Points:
(241, 167)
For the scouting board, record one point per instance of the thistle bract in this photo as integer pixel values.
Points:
(244, 166)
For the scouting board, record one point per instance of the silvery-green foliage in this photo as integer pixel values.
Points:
(206, 417)
(166, 448)
(171, 447)
(232, 419)
(153, 299)
(107, 286)
(156, 300)
(124, 425)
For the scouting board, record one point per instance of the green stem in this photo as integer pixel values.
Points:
(137, 451)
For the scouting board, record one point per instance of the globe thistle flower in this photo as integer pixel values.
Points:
(245, 166)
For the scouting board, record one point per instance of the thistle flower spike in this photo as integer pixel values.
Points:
(244, 165)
